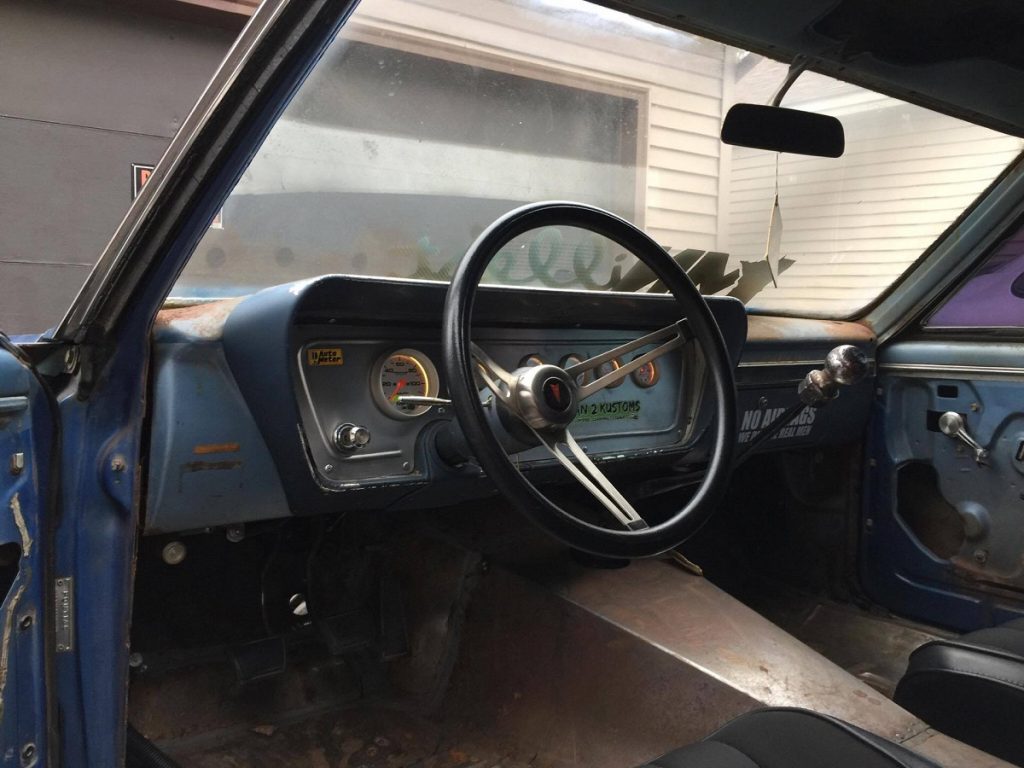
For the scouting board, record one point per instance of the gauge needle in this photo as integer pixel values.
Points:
(398, 388)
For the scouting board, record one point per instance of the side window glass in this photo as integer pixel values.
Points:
(993, 297)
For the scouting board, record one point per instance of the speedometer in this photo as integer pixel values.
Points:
(400, 374)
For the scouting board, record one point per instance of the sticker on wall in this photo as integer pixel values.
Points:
(141, 174)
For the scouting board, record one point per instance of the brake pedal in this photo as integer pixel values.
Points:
(259, 660)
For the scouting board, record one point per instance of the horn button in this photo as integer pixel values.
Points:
(545, 396)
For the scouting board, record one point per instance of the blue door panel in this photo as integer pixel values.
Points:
(942, 536)
(26, 434)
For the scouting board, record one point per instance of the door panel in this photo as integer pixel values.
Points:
(25, 449)
(942, 533)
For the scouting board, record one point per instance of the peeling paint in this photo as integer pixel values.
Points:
(5, 643)
(19, 520)
(200, 322)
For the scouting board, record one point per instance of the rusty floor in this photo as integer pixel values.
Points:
(366, 737)
(874, 647)
(542, 663)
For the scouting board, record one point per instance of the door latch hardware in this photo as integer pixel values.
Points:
(64, 599)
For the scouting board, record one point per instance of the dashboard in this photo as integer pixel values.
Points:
(361, 429)
(329, 394)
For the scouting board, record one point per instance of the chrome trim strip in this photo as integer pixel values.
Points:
(950, 371)
(780, 363)
(819, 363)
(377, 455)
(15, 404)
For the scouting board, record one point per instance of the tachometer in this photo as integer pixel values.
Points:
(404, 372)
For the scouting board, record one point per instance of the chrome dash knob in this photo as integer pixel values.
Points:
(349, 437)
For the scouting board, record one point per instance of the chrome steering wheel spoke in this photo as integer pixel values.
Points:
(498, 380)
(673, 337)
(586, 472)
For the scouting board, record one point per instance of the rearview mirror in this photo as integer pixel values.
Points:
(779, 129)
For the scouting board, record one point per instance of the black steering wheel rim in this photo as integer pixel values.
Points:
(459, 370)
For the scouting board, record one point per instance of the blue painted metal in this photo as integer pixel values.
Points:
(897, 570)
(95, 541)
(203, 436)
(24, 613)
(96, 547)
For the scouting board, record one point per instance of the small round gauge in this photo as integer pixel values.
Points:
(647, 375)
(531, 361)
(403, 372)
(574, 359)
(605, 368)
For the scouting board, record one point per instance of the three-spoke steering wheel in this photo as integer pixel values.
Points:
(544, 398)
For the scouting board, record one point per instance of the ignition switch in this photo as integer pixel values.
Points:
(349, 437)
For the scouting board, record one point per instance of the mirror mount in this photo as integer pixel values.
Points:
(780, 129)
(796, 68)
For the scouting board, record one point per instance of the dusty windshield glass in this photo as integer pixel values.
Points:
(426, 121)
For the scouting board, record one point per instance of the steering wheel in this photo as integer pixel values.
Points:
(544, 398)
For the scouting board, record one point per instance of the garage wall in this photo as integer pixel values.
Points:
(86, 89)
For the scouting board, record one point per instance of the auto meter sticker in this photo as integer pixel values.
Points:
(756, 419)
(324, 356)
(613, 411)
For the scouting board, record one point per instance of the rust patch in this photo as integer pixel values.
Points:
(207, 448)
(19, 521)
(5, 643)
(968, 568)
(793, 329)
(204, 466)
(200, 321)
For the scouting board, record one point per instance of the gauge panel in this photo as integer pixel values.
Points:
(403, 372)
(359, 383)
(350, 384)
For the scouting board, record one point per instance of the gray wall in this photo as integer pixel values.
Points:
(86, 89)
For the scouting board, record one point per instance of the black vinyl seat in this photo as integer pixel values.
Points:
(791, 738)
(971, 688)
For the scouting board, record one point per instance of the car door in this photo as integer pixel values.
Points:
(943, 526)
(27, 623)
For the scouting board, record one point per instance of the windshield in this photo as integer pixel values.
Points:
(425, 122)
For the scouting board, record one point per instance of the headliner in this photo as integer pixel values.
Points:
(961, 57)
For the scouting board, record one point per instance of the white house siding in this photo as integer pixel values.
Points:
(850, 225)
(853, 224)
(680, 74)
